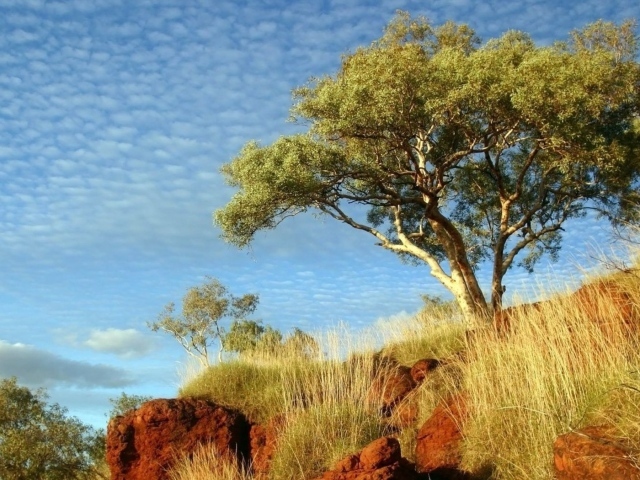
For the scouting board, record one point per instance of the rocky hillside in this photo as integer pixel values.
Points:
(549, 390)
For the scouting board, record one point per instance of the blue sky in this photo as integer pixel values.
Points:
(116, 116)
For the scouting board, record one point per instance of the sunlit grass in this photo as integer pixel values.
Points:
(556, 369)
(206, 464)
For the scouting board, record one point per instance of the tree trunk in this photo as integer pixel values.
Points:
(466, 288)
(475, 312)
(497, 289)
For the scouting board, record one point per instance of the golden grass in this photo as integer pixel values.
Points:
(555, 370)
(207, 464)
(254, 389)
(421, 337)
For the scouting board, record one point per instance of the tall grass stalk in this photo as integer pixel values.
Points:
(550, 374)
(330, 410)
(206, 464)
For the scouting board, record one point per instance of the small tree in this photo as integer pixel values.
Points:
(246, 336)
(203, 308)
(125, 403)
(301, 344)
(40, 442)
(462, 153)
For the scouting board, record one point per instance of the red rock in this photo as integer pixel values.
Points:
(438, 441)
(390, 386)
(380, 453)
(422, 368)
(264, 441)
(380, 460)
(592, 454)
(405, 413)
(601, 302)
(143, 444)
(347, 464)
(605, 301)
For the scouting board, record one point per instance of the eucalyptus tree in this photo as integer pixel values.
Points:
(464, 154)
(199, 325)
(39, 441)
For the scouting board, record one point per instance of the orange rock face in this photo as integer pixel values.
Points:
(264, 441)
(390, 386)
(422, 368)
(605, 301)
(592, 454)
(600, 302)
(438, 443)
(380, 460)
(143, 444)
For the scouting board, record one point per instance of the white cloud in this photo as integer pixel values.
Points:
(117, 116)
(36, 367)
(127, 343)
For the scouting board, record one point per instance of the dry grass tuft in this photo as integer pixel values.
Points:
(568, 363)
(207, 464)
(553, 372)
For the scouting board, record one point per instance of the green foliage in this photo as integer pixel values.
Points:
(300, 344)
(125, 403)
(203, 308)
(461, 152)
(247, 336)
(316, 438)
(254, 389)
(40, 442)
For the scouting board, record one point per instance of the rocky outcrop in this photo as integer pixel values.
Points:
(607, 301)
(380, 460)
(143, 444)
(601, 302)
(592, 454)
(422, 368)
(389, 387)
(439, 440)
(264, 441)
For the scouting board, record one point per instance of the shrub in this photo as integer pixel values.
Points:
(38, 441)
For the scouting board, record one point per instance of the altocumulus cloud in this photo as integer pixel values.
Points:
(35, 367)
(127, 343)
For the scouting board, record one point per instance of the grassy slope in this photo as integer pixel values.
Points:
(555, 371)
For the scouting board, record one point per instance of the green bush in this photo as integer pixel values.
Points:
(317, 437)
(39, 441)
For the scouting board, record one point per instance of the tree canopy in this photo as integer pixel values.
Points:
(40, 442)
(126, 403)
(203, 309)
(247, 336)
(463, 152)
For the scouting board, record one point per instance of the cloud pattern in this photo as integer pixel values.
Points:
(116, 118)
(38, 367)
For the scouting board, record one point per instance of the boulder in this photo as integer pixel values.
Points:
(144, 443)
(380, 460)
(439, 439)
(389, 387)
(422, 368)
(592, 454)
(605, 301)
(264, 441)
